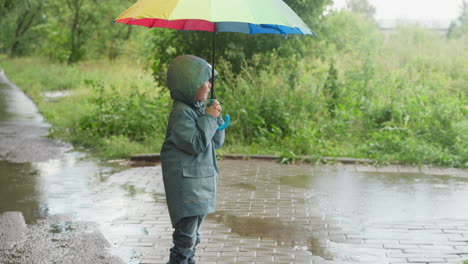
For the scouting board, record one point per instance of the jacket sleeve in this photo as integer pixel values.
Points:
(218, 138)
(191, 134)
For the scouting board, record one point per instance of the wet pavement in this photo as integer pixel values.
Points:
(60, 206)
(46, 211)
(270, 213)
(22, 130)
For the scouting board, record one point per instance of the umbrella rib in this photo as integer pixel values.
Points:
(185, 24)
(279, 13)
(172, 11)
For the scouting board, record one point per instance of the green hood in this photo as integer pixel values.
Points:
(185, 75)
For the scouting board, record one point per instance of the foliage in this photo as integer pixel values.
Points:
(288, 158)
(349, 93)
(66, 31)
(84, 116)
(17, 18)
(69, 27)
(459, 27)
(237, 48)
(134, 115)
(343, 33)
(6, 6)
(362, 7)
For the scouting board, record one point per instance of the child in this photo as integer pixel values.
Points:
(188, 155)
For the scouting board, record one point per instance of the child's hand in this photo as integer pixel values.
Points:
(217, 106)
(215, 109)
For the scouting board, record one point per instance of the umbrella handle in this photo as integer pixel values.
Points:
(227, 119)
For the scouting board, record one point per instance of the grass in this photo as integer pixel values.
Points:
(38, 75)
(403, 99)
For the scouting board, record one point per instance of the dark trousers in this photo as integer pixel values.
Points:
(186, 237)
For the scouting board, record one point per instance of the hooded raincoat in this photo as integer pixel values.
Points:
(188, 157)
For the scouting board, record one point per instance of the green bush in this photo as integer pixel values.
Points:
(351, 92)
(135, 114)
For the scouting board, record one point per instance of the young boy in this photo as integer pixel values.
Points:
(188, 155)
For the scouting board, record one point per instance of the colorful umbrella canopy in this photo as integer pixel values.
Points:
(243, 16)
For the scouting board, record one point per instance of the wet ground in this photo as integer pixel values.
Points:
(22, 130)
(46, 208)
(60, 206)
(270, 213)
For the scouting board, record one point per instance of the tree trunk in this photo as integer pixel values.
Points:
(24, 23)
(74, 56)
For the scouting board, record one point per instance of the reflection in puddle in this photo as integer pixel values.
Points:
(296, 236)
(60, 186)
(300, 181)
(365, 197)
(19, 190)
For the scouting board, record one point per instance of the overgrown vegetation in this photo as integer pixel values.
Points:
(351, 92)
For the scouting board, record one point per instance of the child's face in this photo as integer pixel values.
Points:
(203, 92)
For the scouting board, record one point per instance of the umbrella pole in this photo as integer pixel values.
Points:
(213, 61)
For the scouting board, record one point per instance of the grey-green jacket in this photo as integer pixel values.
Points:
(188, 155)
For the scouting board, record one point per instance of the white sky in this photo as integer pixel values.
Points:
(413, 9)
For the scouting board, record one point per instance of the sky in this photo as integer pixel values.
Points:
(413, 9)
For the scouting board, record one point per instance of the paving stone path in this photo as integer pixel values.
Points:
(261, 220)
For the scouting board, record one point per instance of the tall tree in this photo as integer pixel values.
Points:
(24, 22)
(77, 29)
(362, 7)
(18, 18)
(79, 18)
(6, 6)
(460, 26)
(109, 39)
(68, 28)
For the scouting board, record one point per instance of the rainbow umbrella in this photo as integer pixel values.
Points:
(242, 16)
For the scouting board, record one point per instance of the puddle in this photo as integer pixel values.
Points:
(295, 236)
(301, 181)
(18, 190)
(61, 186)
(364, 197)
(42, 178)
